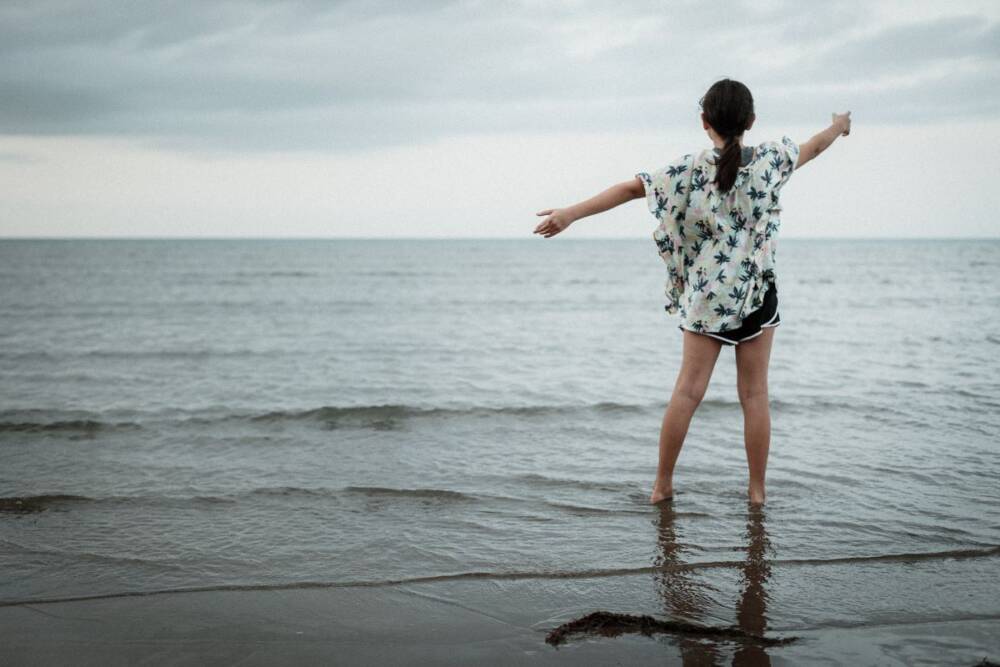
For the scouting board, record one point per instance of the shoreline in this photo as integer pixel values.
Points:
(444, 622)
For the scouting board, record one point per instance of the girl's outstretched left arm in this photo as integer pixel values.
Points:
(560, 218)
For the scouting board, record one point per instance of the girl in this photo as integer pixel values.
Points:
(718, 212)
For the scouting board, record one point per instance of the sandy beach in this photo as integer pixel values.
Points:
(435, 623)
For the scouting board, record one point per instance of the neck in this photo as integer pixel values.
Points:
(721, 143)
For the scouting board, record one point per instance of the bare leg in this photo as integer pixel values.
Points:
(700, 354)
(752, 359)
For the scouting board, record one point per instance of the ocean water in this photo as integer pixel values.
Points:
(212, 414)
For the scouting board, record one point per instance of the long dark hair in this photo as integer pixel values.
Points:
(728, 107)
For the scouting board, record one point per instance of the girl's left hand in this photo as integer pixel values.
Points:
(557, 221)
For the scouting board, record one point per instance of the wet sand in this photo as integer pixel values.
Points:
(439, 623)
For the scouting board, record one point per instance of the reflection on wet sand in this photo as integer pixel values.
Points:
(686, 596)
(751, 607)
(687, 601)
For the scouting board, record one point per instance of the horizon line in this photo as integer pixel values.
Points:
(464, 238)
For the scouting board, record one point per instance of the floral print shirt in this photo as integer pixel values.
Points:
(719, 248)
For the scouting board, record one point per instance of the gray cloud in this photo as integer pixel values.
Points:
(906, 48)
(356, 74)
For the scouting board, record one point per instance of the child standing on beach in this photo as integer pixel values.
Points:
(718, 213)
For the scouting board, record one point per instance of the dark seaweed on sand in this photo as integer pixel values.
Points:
(609, 624)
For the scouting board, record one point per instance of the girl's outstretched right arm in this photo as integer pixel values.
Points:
(560, 218)
(841, 125)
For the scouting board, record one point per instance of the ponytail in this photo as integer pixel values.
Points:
(728, 108)
(728, 164)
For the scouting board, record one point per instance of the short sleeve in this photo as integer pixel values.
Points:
(787, 157)
(667, 189)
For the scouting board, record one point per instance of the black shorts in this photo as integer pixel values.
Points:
(754, 323)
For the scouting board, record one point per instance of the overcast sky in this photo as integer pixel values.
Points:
(447, 119)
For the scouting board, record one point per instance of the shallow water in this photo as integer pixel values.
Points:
(202, 414)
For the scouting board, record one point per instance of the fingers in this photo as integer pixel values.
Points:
(548, 227)
(547, 230)
(543, 223)
(845, 118)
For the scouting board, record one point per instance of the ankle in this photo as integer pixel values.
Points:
(756, 492)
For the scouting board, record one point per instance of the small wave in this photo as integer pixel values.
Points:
(371, 416)
(985, 552)
(214, 500)
(608, 406)
(180, 354)
(369, 491)
(28, 504)
(387, 414)
(586, 510)
(456, 496)
(534, 479)
(808, 404)
(131, 355)
(392, 273)
(438, 494)
(85, 426)
(276, 274)
(40, 503)
(390, 415)
(87, 556)
(43, 502)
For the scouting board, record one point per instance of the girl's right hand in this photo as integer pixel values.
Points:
(843, 120)
(558, 219)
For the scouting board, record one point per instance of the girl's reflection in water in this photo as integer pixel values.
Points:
(687, 597)
(751, 608)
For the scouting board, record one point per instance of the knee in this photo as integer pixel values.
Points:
(751, 392)
(690, 391)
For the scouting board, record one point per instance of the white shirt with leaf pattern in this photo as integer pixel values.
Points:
(719, 248)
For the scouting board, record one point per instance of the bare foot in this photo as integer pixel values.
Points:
(755, 496)
(661, 491)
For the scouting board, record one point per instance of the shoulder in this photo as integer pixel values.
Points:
(789, 145)
(785, 143)
(681, 165)
(785, 147)
(676, 172)
(672, 172)
(782, 152)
